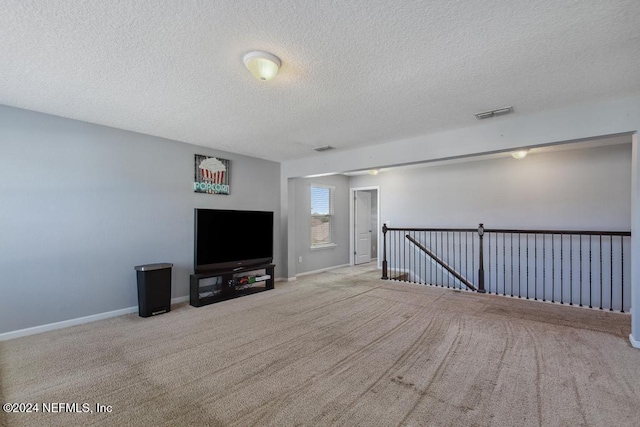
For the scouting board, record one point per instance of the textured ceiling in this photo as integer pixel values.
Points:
(354, 73)
(565, 146)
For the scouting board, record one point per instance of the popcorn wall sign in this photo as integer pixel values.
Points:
(211, 175)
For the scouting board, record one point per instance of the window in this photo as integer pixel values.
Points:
(321, 215)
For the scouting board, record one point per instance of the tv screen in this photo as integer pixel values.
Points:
(232, 239)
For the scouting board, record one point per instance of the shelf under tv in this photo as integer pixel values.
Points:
(221, 290)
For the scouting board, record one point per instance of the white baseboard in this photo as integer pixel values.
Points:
(633, 342)
(178, 300)
(306, 273)
(78, 321)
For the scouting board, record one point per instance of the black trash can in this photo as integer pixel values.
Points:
(154, 289)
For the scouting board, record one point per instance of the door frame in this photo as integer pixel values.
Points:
(352, 220)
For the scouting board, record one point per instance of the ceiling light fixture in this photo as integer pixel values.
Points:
(264, 66)
(373, 172)
(521, 154)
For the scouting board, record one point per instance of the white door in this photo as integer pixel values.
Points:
(363, 227)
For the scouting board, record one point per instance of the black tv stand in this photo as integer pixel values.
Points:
(227, 284)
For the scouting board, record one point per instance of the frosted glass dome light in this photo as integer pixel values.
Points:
(521, 154)
(264, 66)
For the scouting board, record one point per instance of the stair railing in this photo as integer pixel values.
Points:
(573, 267)
(441, 263)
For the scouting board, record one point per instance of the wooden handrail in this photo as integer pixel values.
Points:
(470, 230)
(441, 263)
(565, 232)
(517, 231)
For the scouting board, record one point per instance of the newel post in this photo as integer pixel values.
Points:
(481, 261)
(384, 252)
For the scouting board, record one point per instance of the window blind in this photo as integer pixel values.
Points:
(321, 215)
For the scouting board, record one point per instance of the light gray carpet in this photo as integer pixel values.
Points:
(338, 348)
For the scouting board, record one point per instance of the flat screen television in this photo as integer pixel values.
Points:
(227, 239)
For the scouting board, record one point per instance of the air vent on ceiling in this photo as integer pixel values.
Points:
(324, 148)
(494, 113)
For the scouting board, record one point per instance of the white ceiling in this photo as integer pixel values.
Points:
(531, 151)
(354, 73)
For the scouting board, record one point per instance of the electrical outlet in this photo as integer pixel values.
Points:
(300, 259)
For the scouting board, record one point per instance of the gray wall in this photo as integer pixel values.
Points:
(82, 204)
(316, 259)
(576, 189)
